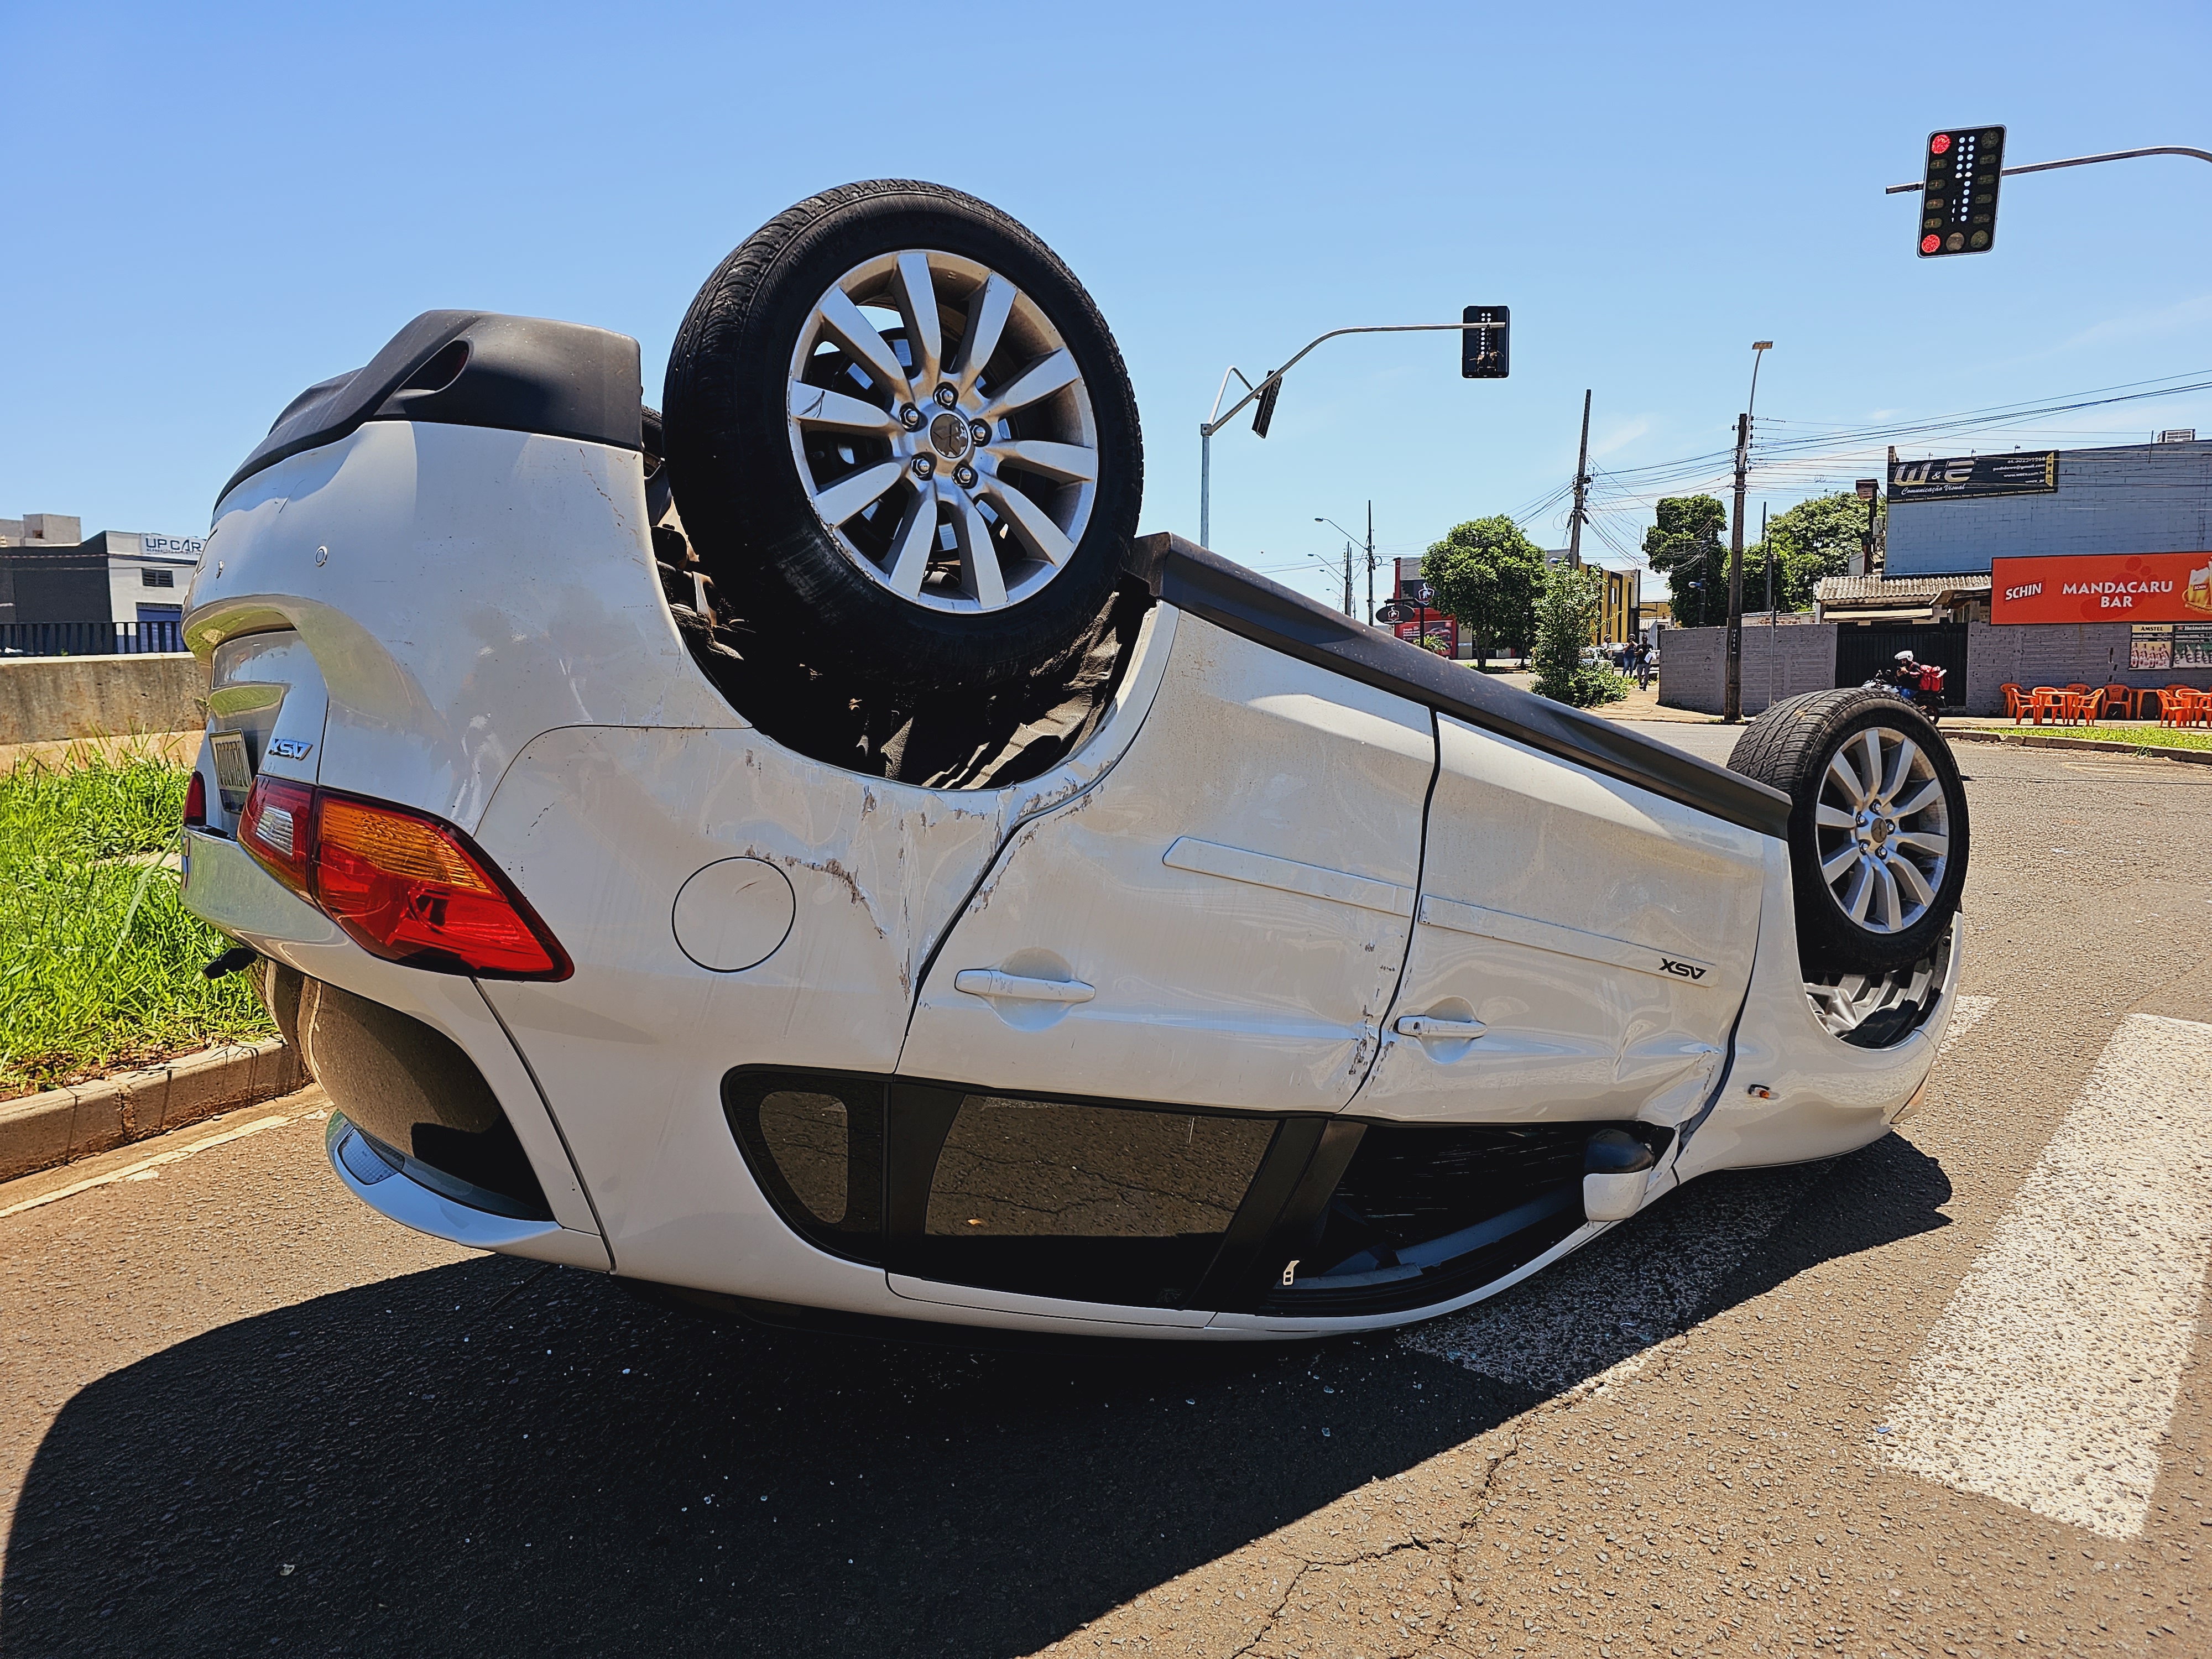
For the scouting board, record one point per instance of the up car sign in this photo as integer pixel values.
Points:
(2108, 587)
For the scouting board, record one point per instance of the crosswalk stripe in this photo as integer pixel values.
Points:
(1650, 1277)
(1966, 1014)
(2050, 1379)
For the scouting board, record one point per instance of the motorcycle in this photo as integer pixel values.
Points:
(1921, 687)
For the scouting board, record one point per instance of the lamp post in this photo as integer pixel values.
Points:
(1869, 492)
(1732, 697)
(1341, 531)
(1270, 385)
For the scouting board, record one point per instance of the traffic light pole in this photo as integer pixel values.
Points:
(1220, 417)
(2077, 161)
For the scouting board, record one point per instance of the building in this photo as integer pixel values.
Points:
(52, 574)
(1419, 622)
(1622, 614)
(2040, 567)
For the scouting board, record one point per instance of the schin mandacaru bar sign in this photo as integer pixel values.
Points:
(2130, 587)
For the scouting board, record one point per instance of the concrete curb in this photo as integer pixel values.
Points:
(2096, 745)
(41, 1131)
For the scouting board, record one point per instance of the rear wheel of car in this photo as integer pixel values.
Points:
(902, 439)
(1877, 824)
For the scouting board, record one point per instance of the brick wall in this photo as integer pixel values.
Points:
(1693, 664)
(2057, 653)
(2139, 498)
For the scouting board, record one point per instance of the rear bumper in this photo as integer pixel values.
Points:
(396, 1195)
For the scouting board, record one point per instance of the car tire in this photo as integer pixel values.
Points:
(863, 494)
(1878, 835)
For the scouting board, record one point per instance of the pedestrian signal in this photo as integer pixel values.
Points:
(1482, 344)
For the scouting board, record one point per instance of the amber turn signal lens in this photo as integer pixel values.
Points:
(404, 886)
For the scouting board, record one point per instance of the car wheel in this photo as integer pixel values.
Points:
(1877, 825)
(902, 439)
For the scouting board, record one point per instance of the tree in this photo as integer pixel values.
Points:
(1818, 537)
(1685, 547)
(1487, 574)
(1566, 622)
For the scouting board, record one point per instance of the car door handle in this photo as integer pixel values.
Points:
(1430, 1028)
(990, 984)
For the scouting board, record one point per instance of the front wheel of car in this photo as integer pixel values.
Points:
(1878, 835)
(902, 441)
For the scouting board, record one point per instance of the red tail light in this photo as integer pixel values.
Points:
(405, 886)
(195, 802)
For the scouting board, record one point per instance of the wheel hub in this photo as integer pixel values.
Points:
(949, 436)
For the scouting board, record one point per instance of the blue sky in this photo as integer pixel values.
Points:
(209, 207)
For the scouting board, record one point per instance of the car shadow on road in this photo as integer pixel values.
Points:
(491, 1457)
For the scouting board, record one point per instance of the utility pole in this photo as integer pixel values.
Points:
(1581, 489)
(1371, 564)
(1347, 579)
(1732, 694)
(1732, 698)
(1769, 546)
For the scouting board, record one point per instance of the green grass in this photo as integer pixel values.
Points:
(2142, 736)
(98, 959)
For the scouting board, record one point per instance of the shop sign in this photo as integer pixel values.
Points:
(1442, 633)
(2103, 587)
(2016, 474)
(2192, 644)
(2150, 645)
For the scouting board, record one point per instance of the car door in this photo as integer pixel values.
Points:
(1581, 948)
(1218, 922)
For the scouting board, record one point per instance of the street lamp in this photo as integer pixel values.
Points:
(1341, 531)
(1732, 695)
(1270, 386)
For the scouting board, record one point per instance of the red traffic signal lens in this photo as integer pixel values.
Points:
(1930, 244)
(1939, 143)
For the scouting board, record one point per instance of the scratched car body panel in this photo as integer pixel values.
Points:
(1296, 997)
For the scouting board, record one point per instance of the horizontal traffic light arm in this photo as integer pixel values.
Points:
(1208, 427)
(2077, 161)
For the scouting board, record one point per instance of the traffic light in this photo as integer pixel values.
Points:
(1482, 344)
(1959, 200)
(1264, 415)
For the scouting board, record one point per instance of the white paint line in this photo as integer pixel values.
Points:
(1606, 1307)
(1965, 1016)
(150, 1166)
(2050, 1379)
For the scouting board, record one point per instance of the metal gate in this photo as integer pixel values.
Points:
(1864, 650)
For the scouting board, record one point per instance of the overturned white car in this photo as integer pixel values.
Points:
(806, 853)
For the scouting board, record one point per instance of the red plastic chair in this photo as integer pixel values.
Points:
(2121, 700)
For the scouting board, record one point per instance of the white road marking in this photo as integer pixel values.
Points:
(1608, 1305)
(2050, 1379)
(149, 1167)
(1965, 1016)
(1650, 1278)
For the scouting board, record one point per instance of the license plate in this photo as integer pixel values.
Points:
(233, 777)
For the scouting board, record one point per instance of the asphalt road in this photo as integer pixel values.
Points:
(1947, 1396)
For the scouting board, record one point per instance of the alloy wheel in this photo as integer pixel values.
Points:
(1883, 830)
(942, 431)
